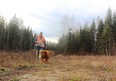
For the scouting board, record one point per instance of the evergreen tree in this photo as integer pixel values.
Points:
(99, 37)
(114, 27)
(114, 33)
(2, 31)
(107, 33)
(14, 34)
(93, 36)
(85, 39)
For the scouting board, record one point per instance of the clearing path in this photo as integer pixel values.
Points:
(74, 68)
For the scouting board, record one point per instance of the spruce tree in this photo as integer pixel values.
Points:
(99, 37)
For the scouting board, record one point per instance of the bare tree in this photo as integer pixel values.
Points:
(67, 24)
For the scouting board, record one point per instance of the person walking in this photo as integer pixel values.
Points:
(40, 44)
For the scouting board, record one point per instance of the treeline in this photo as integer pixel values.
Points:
(98, 38)
(14, 36)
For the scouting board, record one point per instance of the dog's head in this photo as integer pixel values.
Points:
(45, 56)
(44, 52)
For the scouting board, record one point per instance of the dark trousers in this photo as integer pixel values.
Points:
(38, 52)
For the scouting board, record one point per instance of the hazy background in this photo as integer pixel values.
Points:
(46, 15)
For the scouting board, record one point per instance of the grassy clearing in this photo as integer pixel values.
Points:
(12, 64)
(59, 68)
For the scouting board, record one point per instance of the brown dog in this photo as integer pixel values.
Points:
(45, 56)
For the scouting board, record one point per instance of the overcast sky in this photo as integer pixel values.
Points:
(46, 15)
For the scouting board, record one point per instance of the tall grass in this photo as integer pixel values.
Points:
(13, 59)
(16, 63)
(66, 68)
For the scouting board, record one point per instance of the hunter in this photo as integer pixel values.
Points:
(40, 44)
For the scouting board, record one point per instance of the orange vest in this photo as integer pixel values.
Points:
(43, 39)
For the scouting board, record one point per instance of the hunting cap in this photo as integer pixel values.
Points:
(41, 32)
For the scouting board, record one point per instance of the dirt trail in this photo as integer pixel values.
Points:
(70, 69)
(46, 72)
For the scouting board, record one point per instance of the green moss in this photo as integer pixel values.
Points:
(2, 69)
(14, 79)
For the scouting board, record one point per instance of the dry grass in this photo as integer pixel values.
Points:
(88, 68)
(11, 59)
(59, 68)
(13, 64)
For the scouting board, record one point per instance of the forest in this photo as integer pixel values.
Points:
(14, 36)
(99, 38)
